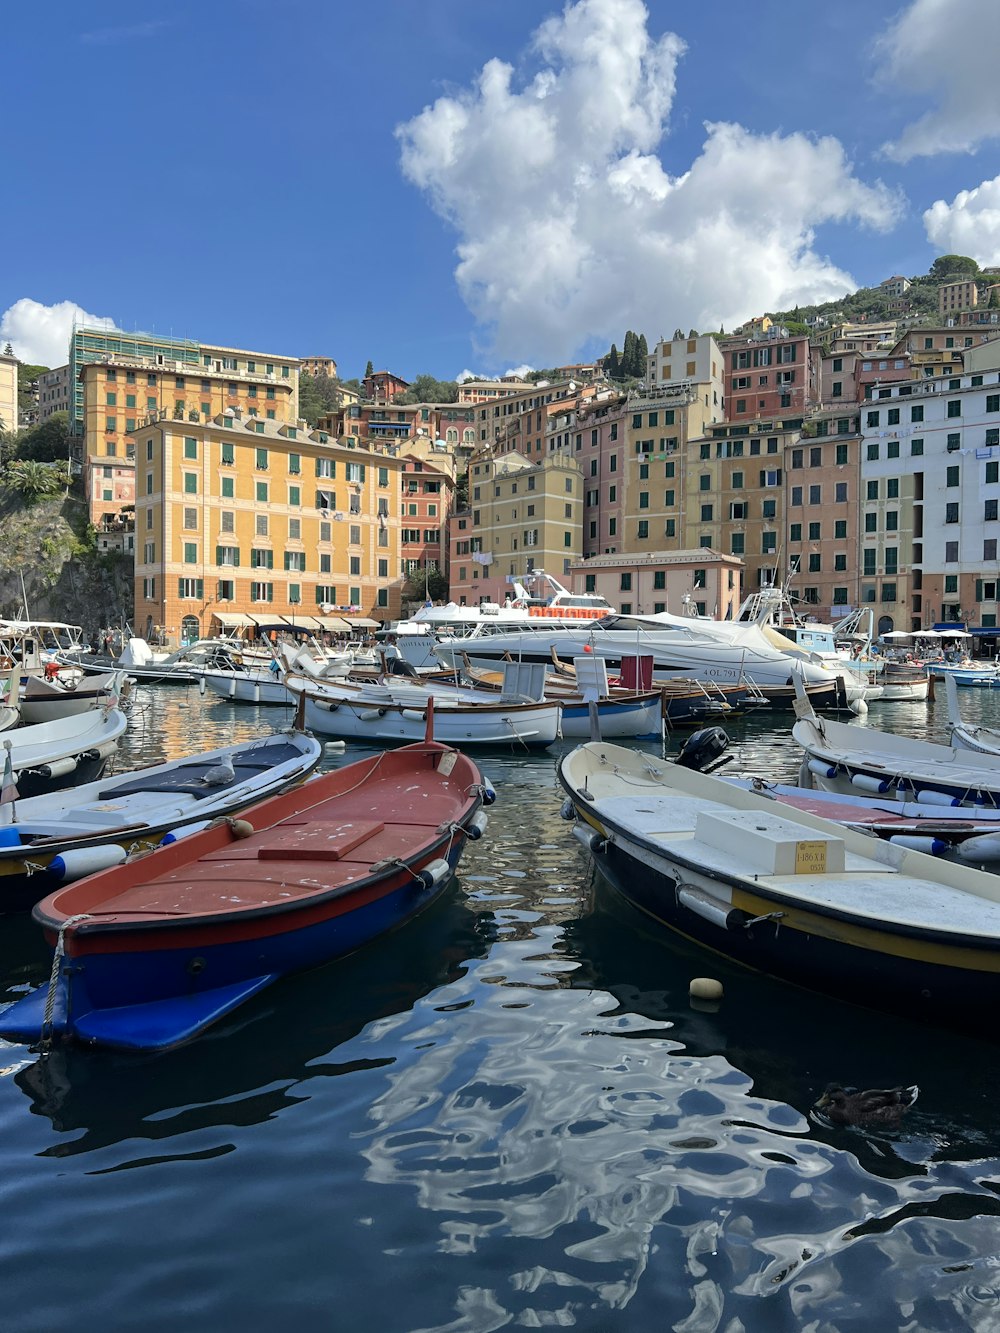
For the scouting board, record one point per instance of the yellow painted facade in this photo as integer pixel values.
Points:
(8, 392)
(119, 392)
(249, 517)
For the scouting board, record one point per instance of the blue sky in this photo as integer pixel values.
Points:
(447, 186)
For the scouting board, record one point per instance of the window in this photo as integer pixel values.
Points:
(815, 563)
(625, 582)
(261, 492)
(227, 555)
(796, 497)
(951, 513)
(871, 419)
(840, 563)
(191, 483)
(917, 412)
(795, 532)
(888, 592)
(815, 493)
(990, 553)
(704, 482)
(955, 407)
(260, 525)
(643, 528)
(840, 529)
(953, 443)
(796, 459)
(262, 592)
(840, 492)
(815, 530)
(951, 553)
(892, 416)
(869, 561)
(872, 453)
(190, 589)
(871, 522)
(295, 529)
(916, 448)
(737, 543)
(993, 402)
(990, 511)
(892, 520)
(191, 519)
(190, 447)
(706, 513)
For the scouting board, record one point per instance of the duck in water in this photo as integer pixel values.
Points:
(876, 1107)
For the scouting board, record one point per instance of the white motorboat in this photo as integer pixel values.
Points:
(70, 750)
(719, 652)
(44, 698)
(850, 759)
(379, 715)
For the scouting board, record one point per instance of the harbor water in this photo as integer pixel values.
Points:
(507, 1115)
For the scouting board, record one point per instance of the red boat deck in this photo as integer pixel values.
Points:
(326, 845)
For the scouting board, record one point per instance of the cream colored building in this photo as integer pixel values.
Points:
(484, 391)
(54, 392)
(956, 296)
(696, 360)
(318, 365)
(242, 519)
(8, 392)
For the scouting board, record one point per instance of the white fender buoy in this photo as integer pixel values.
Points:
(916, 842)
(705, 988)
(86, 861)
(928, 797)
(232, 688)
(57, 768)
(434, 874)
(859, 707)
(201, 684)
(982, 847)
(865, 782)
(489, 792)
(256, 692)
(476, 826)
(822, 769)
(337, 746)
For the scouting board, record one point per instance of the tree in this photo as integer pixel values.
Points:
(692, 333)
(641, 356)
(318, 395)
(48, 442)
(34, 481)
(994, 302)
(628, 355)
(425, 583)
(678, 334)
(953, 266)
(369, 370)
(611, 364)
(426, 389)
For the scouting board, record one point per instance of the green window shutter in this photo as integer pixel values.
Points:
(218, 555)
(200, 589)
(288, 560)
(270, 559)
(979, 590)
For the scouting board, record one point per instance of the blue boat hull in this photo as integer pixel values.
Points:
(176, 990)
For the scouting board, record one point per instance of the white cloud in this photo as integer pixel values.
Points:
(969, 225)
(519, 372)
(945, 51)
(570, 228)
(40, 334)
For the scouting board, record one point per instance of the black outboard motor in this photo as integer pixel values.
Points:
(705, 750)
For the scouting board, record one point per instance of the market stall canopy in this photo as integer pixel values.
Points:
(362, 622)
(335, 624)
(310, 623)
(896, 634)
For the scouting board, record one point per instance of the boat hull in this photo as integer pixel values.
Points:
(615, 718)
(380, 723)
(176, 989)
(245, 688)
(913, 977)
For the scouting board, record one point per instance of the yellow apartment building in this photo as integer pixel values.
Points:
(121, 381)
(242, 519)
(318, 365)
(8, 392)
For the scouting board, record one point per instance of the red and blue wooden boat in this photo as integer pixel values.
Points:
(149, 953)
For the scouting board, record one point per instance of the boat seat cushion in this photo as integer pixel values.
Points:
(187, 778)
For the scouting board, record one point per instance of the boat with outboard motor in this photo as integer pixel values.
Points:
(787, 893)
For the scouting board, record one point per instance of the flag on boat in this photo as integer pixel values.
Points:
(8, 788)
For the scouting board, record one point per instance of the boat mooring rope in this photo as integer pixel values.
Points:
(57, 957)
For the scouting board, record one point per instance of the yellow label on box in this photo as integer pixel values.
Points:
(810, 858)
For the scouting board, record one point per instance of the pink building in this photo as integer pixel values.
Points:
(425, 507)
(768, 375)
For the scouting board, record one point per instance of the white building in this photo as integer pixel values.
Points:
(695, 361)
(930, 486)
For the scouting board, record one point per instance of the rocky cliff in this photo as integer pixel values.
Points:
(65, 576)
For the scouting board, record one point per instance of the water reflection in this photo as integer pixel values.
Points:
(251, 1067)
